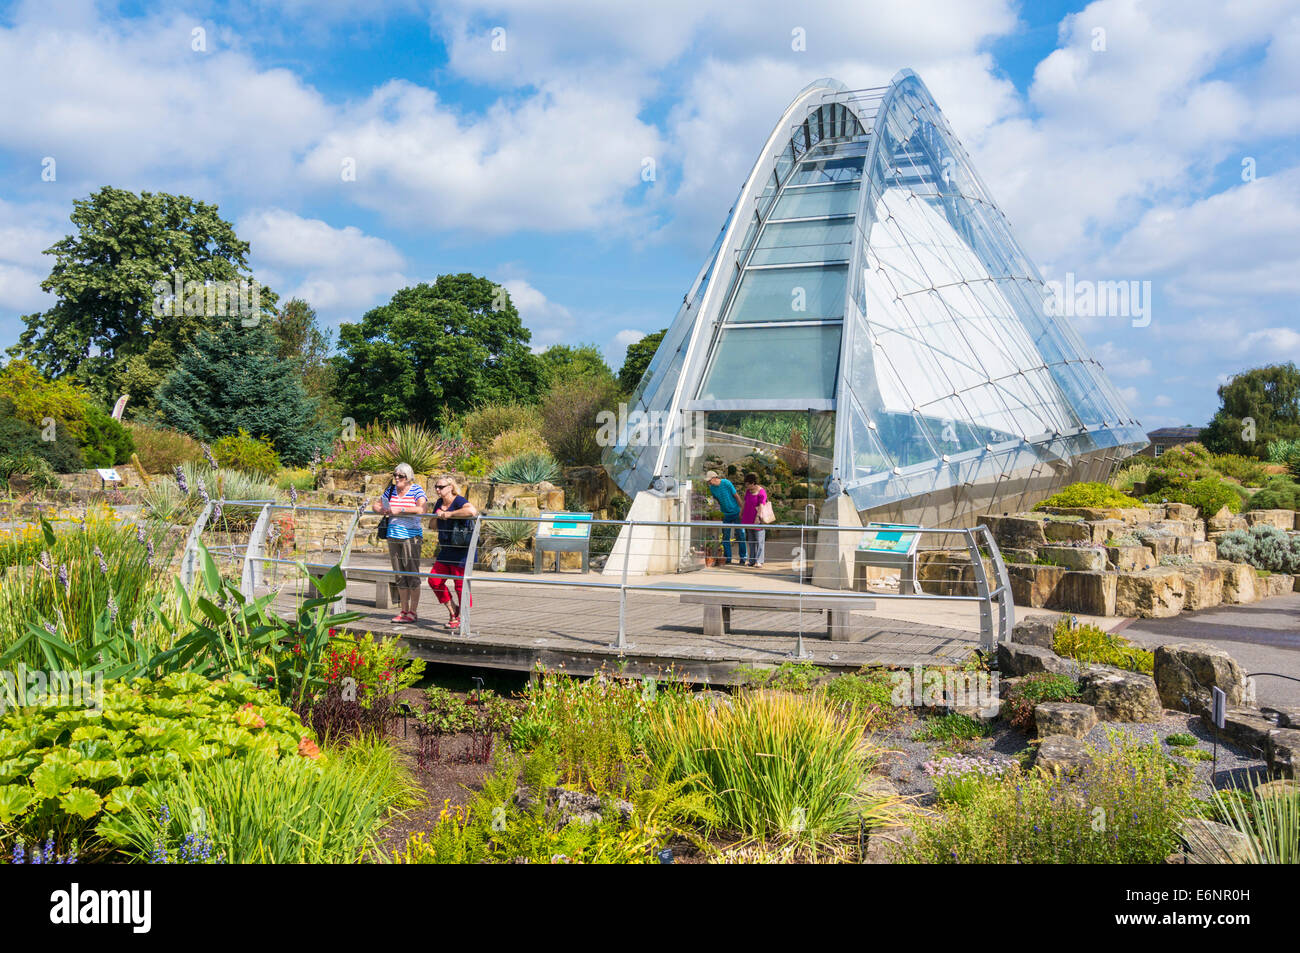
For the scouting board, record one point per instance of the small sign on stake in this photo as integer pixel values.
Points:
(1218, 714)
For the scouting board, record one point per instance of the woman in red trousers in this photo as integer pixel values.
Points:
(450, 560)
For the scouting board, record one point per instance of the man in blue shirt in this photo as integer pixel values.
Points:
(724, 491)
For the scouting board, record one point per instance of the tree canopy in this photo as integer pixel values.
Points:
(232, 379)
(637, 360)
(564, 363)
(111, 328)
(1268, 396)
(436, 351)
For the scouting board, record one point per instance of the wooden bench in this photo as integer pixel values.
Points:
(385, 584)
(718, 606)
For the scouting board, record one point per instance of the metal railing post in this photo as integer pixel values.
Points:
(988, 637)
(622, 590)
(252, 574)
(346, 552)
(799, 651)
(1006, 604)
(467, 596)
(191, 552)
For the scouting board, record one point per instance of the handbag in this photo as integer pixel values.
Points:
(765, 513)
(381, 531)
(460, 532)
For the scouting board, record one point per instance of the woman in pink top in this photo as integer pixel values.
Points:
(755, 496)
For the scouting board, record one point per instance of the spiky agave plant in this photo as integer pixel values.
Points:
(527, 468)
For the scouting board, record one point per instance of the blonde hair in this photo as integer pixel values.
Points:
(450, 480)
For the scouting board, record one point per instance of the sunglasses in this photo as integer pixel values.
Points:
(441, 486)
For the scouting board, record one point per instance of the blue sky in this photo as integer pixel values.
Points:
(1119, 158)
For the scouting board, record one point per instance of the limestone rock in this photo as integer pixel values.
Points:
(1131, 558)
(1284, 787)
(1019, 555)
(1075, 557)
(1277, 584)
(1119, 695)
(1064, 718)
(1062, 754)
(1186, 671)
(1246, 726)
(1036, 630)
(1282, 519)
(1150, 594)
(1283, 750)
(1209, 842)
(1204, 586)
(1016, 659)
(1240, 582)
(1069, 532)
(1017, 532)
(1180, 511)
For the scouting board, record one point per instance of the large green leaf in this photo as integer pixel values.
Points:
(47, 531)
(51, 779)
(14, 799)
(83, 802)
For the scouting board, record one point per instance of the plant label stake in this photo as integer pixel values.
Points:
(1219, 711)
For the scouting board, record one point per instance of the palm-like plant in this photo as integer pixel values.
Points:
(527, 468)
(511, 533)
(410, 443)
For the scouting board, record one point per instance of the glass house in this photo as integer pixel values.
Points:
(866, 284)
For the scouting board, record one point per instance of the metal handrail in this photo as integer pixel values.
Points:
(997, 591)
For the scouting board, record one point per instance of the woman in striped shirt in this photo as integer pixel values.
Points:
(402, 503)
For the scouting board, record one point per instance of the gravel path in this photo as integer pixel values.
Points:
(904, 758)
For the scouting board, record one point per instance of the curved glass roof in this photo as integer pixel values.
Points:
(865, 270)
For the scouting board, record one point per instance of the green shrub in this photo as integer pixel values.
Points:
(527, 468)
(66, 767)
(1271, 822)
(949, 728)
(513, 443)
(300, 479)
(484, 425)
(1208, 494)
(1127, 809)
(106, 443)
(593, 726)
(1245, 470)
(242, 452)
(771, 764)
(1089, 495)
(1088, 643)
(1283, 450)
(1018, 705)
(40, 475)
(1267, 548)
(1278, 493)
(797, 677)
(869, 693)
(266, 810)
(19, 439)
(508, 533)
(415, 444)
(162, 449)
(1181, 739)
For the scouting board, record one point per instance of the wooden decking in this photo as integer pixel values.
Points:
(521, 622)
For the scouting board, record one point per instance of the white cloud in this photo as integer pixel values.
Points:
(341, 272)
(549, 322)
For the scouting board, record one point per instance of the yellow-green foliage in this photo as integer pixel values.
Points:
(513, 443)
(485, 424)
(771, 763)
(1090, 495)
(247, 455)
(1088, 643)
(34, 398)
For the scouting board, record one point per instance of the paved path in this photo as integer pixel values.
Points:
(1263, 636)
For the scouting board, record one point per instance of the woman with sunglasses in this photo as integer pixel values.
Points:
(402, 503)
(450, 561)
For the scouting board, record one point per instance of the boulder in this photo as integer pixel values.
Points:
(1131, 558)
(1066, 590)
(1019, 555)
(1016, 659)
(1284, 787)
(1036, 630)
(1203, 552)
(1282, 519)
(1062, 754)
(1245, 726)
(1017, 532)
(1102, 530)
(1033, 586)
(1240, 582)
(1150, 594)
(1209, 842)
(1072, 531)
(1276, 584)
(1064, 718)
(1287, 716)
(1204, 587)
(1224, 521)
(1075, 557)
(1119, 695)
(1186, 671)
(1283, 750)
(1180, 511)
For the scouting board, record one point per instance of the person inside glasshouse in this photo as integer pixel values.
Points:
(403, 502)
(724, 491)
(454, 514)
(755, 511)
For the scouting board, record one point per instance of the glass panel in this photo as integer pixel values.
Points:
(789, 242)
(818, 200)
(742, 366)
(790, 294)
(828, 170)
